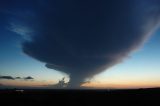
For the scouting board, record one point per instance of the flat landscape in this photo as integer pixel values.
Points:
(80, 97)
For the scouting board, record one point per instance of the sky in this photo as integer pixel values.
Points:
(28, 49)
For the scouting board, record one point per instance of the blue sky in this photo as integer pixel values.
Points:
(80, 38)
(143, 65)
(15, 63)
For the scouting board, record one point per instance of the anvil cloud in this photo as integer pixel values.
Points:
(85, 37)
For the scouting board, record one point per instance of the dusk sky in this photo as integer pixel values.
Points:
(29, 28)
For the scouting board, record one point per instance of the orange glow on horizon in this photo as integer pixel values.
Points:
(100, 85)
(127, 85)
(26, 83)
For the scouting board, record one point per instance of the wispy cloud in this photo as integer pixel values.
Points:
(22, 30)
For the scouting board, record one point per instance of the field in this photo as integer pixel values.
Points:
(46, 97)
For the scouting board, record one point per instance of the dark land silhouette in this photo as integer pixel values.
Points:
(56, 97)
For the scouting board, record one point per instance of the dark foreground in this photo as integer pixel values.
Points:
(141, 97)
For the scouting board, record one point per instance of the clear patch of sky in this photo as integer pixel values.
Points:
(142, 66)
(14, 62)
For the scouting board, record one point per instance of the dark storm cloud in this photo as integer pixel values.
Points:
(7, 77)
(84, 37)
(28, 78)
(16, 78)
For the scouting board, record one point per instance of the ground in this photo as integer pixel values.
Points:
(92, 97)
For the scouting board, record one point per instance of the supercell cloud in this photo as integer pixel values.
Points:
(85, 37)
